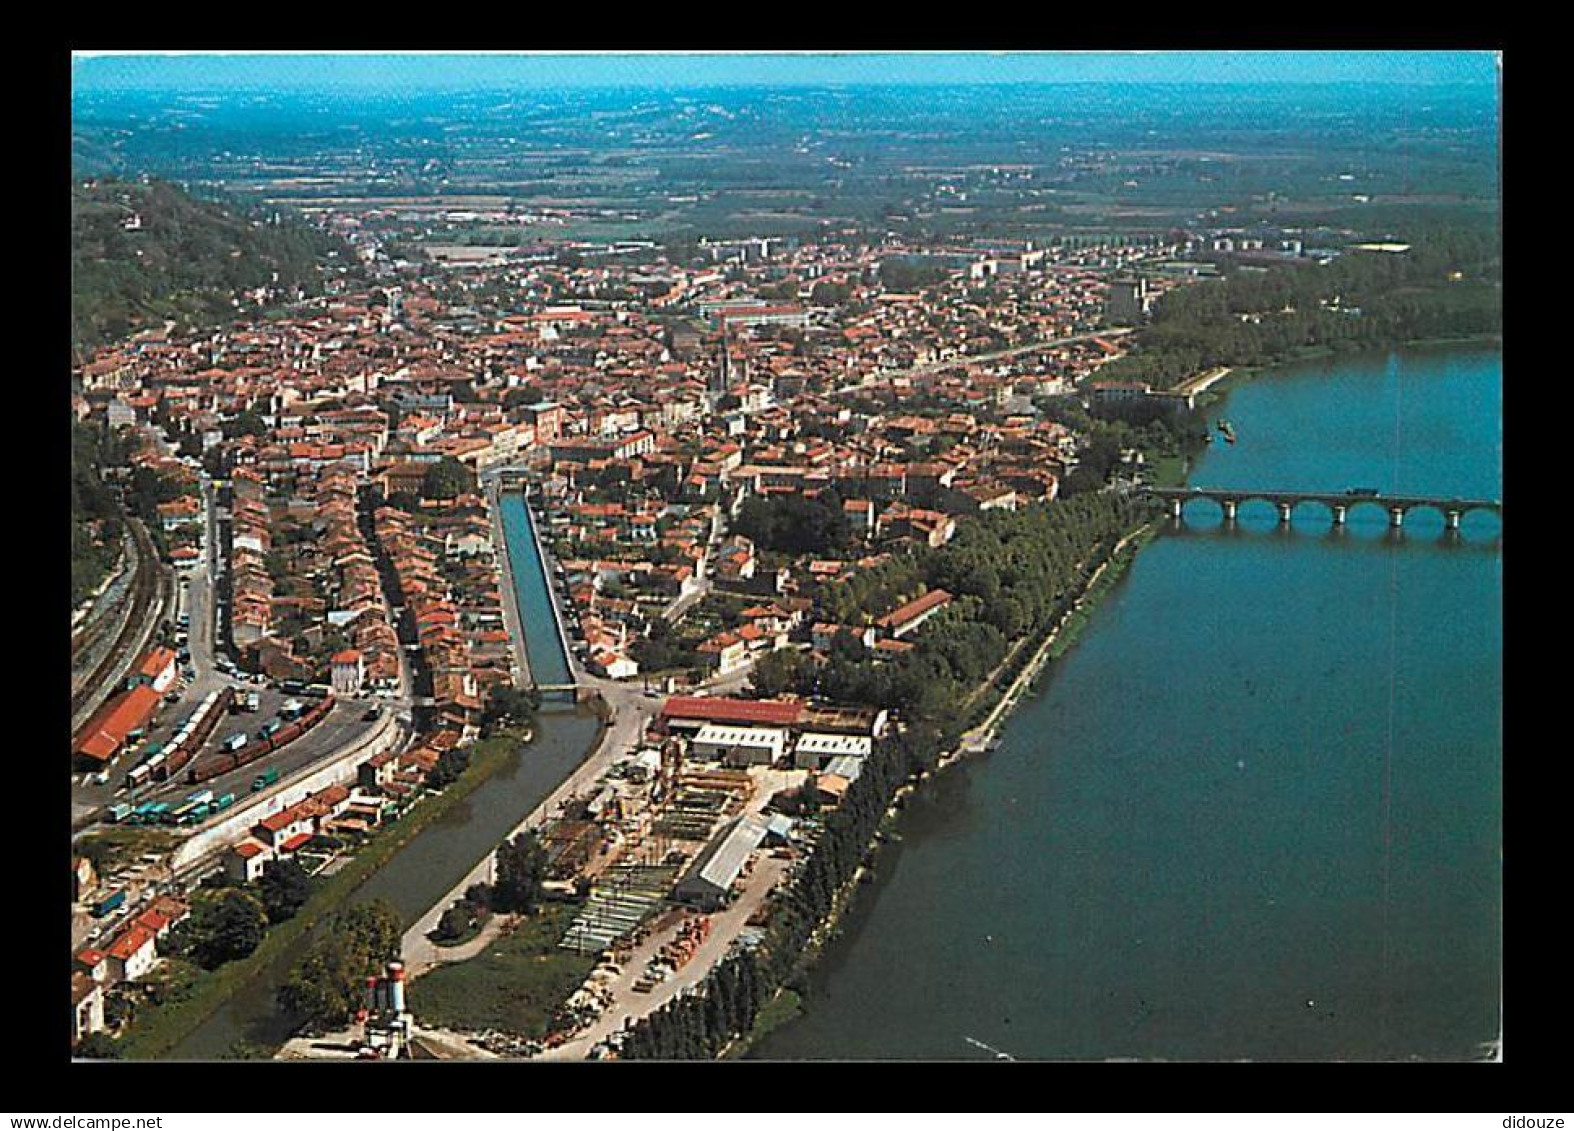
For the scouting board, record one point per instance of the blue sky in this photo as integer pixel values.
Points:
(151, 71)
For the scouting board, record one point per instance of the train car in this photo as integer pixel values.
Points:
(157, 769)
(247, 755)
(210, 767)
(179, 814)
(138, 777)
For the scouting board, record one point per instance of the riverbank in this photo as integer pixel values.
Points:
(787, 1003)
(1241, 374)
(1059, 638)
(154, 1035)
(1126, 874)
(417, 950)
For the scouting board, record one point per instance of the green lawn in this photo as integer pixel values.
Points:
(515, 985)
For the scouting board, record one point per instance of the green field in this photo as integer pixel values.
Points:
(515, 985)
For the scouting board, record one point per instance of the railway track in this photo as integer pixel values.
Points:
(146, 586)
(87, 632)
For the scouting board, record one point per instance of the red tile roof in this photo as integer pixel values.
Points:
(107, 729)
(720, 710)
(130, 942)
(915, 608)
(154, 663)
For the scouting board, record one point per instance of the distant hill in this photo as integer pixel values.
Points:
(142, 253)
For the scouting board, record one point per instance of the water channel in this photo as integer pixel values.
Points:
(423, 871)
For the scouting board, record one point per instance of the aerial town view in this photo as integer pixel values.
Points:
(789, 557)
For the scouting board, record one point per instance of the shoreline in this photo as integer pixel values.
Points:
(979, 738)
(1241, 374)
(1065, 631)
(982, 737)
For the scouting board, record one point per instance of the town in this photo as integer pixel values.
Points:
(676, 564)
(717, 457)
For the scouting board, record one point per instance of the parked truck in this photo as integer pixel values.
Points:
(265, 779)
(109, 903)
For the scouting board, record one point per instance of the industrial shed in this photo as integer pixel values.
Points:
(714, 870)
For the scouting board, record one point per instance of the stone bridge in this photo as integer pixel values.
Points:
(1339, 504)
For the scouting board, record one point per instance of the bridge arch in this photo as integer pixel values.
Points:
(1339, 506)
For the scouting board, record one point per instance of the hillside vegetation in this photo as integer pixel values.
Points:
(182, 258)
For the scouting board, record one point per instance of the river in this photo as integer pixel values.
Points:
(1256, 812)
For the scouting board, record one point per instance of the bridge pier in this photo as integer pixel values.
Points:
(1339, 513)
(1229, 506)
(1451, 520)
(1284, 511)
(1396, 517)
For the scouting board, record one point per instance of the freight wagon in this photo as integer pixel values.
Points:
(216, 764)
(196, 731)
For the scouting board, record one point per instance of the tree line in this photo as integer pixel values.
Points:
(1018, 570)
(1445, 285)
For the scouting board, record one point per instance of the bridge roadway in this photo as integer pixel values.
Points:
(1338, 503)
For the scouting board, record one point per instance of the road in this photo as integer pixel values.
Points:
(752, 890)
(977, 358)
(631, 714)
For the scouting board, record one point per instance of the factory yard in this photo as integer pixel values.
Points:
(557, 984)
(629, 1004)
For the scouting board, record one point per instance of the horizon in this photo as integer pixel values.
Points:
(305, 71)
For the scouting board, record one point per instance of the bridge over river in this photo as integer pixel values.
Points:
(1339, 504)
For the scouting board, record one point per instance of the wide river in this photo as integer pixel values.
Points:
(1256, 812)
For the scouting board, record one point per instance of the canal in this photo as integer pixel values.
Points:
(543, 643)
(1256, 812)
(424, 870)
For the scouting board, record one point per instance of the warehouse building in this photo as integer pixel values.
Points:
(689, 713)
(815, 748)
(710, 878)
(740, 745)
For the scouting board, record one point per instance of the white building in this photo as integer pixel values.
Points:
(711, 876)
(740, 746)
(814, 749)
(349, 671)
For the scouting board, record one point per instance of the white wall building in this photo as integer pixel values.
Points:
(739, 746)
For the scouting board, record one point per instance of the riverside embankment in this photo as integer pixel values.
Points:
(1256, 812)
